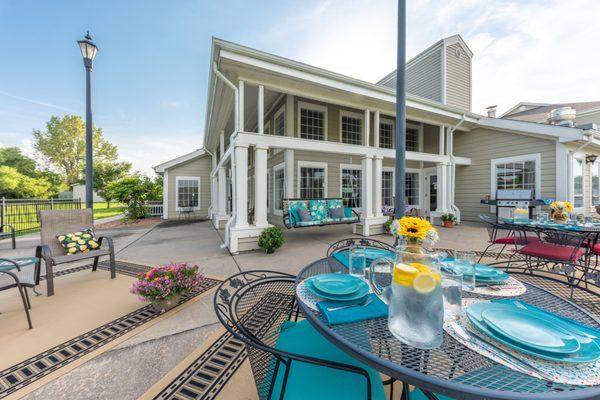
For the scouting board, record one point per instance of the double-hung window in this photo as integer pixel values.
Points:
(386, 134)
(578, 182)
(279, 122)
(313, 180)
(413, 137)
(387, 188)
(516, 173)
(351, 126)
(312, 121)
(278, 188)
(188, 193)
(351, 186)
(412, 189)
(595, 182)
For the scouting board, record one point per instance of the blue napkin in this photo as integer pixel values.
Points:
(375, 309)
(371, 254)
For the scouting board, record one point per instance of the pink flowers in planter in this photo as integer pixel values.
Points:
(166, 282)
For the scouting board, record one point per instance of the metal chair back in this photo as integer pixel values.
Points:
(346, 244)
(58, 222)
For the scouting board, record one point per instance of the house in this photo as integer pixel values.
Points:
(583, 167)
(276, 128)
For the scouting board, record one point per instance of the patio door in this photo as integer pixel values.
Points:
(431, 191)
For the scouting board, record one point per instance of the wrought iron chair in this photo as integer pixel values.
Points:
(346, 244)
(21, 278)
(10, 233)
(258, 308)
(503, 235)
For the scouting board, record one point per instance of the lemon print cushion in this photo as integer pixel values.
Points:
(78, 242)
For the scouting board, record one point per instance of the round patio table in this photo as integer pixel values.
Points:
(452, 369)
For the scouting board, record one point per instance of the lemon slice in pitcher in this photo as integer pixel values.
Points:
(404, 274)
(424, 282)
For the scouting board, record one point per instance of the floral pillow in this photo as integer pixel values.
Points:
(318, 209)
(79, 242)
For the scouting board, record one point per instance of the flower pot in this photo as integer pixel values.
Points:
(161, 306)
(448, 224)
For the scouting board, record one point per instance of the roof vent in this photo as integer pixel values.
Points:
(562, 116)
(491, 111)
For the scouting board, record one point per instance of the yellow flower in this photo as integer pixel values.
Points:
(413, 228)
(562, 206)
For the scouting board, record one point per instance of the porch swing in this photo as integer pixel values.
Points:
(323, 212)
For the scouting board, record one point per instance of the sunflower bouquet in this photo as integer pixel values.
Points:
(559, 210)
(414, 229)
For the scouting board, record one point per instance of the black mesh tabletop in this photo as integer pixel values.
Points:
(452, 369)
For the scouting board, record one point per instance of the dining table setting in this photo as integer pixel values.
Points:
(450, 326)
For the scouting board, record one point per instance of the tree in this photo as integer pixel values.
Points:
(134, 191)
(106, 173)
(14, 184)
(62, 146)
(13, 157)
(26, 166)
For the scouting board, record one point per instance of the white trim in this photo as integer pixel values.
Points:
(350, 114)
(160, 168)
(562, 180)
(593, 165)
(426, 200)
(280, 110)
(354, 167)
(581, 157)
(417, 171)
(393, 171)
(536, 157)
(276, 168)
(312, 107)
(311, 164)
(267, 127)
(186, 178)
(384, 120)
(419, 127)
(166, 195)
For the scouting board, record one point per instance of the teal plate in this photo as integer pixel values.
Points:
(482, 272)
(336, 284)
(362, 291)
(531, 330)
(589, 351)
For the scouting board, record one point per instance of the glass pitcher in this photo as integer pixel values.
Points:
(412, 290)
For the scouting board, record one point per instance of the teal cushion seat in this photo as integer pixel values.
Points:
(309, 381)
(293, 206)
(309, 223)
(318, 209)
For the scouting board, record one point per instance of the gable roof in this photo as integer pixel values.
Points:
(536, 112)
(160, 168)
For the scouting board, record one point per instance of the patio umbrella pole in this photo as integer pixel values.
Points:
(400, 113)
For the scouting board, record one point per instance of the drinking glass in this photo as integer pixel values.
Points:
(542, 217)
(358, 261)
(588, 221)
(466, 260)
(452, 280)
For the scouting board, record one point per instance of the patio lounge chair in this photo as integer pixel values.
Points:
(59, 222)
(323, 217)
(289, 359)
(10, 233)
(20, 277)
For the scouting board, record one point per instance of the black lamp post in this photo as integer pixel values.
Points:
(401, 111)
(88, 51)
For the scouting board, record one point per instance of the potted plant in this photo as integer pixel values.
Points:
(164, 285)
(271, 239)
(559, 210)
(448, 220)
(416, 232)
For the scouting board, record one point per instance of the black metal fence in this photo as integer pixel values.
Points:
(23, 214)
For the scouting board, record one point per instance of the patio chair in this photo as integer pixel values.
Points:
(21, 278)
(289, 359)
(59, 222)
(10, 234)
(503, 235)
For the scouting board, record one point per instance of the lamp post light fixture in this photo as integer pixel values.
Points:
(591, 158)
(88, 51)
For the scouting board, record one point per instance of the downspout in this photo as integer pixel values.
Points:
(232, 219)
(453, 206)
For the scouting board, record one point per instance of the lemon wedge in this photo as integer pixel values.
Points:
(424, 282)
(404, 274)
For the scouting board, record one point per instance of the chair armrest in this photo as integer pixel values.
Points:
(43, 251)
(109, 240)
(356, 214)
(13, 262)
(12, 228)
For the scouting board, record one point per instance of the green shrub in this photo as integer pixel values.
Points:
(388, 225)
(271, 239)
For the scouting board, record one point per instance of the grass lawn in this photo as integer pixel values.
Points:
(101, 210)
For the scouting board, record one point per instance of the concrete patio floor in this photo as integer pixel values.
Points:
(155, 351)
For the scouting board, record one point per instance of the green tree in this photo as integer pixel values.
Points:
(62, 146)
(13, 157)
(14, 184)
(134, 191)
(105, 174)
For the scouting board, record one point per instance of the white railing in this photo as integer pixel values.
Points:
(155, 208)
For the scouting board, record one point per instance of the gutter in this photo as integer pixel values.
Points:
(453, 206)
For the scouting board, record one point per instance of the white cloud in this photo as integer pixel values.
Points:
(541, 51)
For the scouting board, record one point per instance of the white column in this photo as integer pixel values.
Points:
(366, 129)
(222, 191)
(442, 188)
(377, 199)
(441, 140)
(288, 157)
(260, 185)
(289, 115)
(241, 180)
(221, 144)
(261, 109)
(376, 129)
(241, 100)
(213, 185)
(367, 187)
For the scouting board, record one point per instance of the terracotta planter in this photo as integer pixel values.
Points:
(448, 224)
(161, 306)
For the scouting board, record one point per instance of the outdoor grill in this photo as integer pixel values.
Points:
(514, 198)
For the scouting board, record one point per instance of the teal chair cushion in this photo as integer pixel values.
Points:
(309, 223)
(318, 209)
(348, 212)
(309, 381)
(293, 206)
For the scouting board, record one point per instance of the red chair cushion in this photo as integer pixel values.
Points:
(513, 239)
(551, 251)
(596, 248)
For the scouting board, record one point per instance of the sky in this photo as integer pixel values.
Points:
(151, 74)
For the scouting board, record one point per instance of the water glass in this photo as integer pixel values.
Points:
(542, 217)
(357, 262)
(467, 261)
(452, 281)
(588, 221)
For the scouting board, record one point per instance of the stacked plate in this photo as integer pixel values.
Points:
(536, 332)
(339, 287)
(483, 273)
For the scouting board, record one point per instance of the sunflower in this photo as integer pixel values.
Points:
(413, 228)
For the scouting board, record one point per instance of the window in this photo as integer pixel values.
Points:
(595, 177)
(386, 134)
(413, 133)
(278, 187)
(387, 188)
(312, 121)
(188, 193)
(577, 182)
(351, 186)
(350, 128)
(279, 123)
(313, 180)
(412, 189)
(518, 172)
(267, 128)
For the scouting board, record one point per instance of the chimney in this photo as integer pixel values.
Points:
(491, 111)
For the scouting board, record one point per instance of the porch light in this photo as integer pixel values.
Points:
(591, 158)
